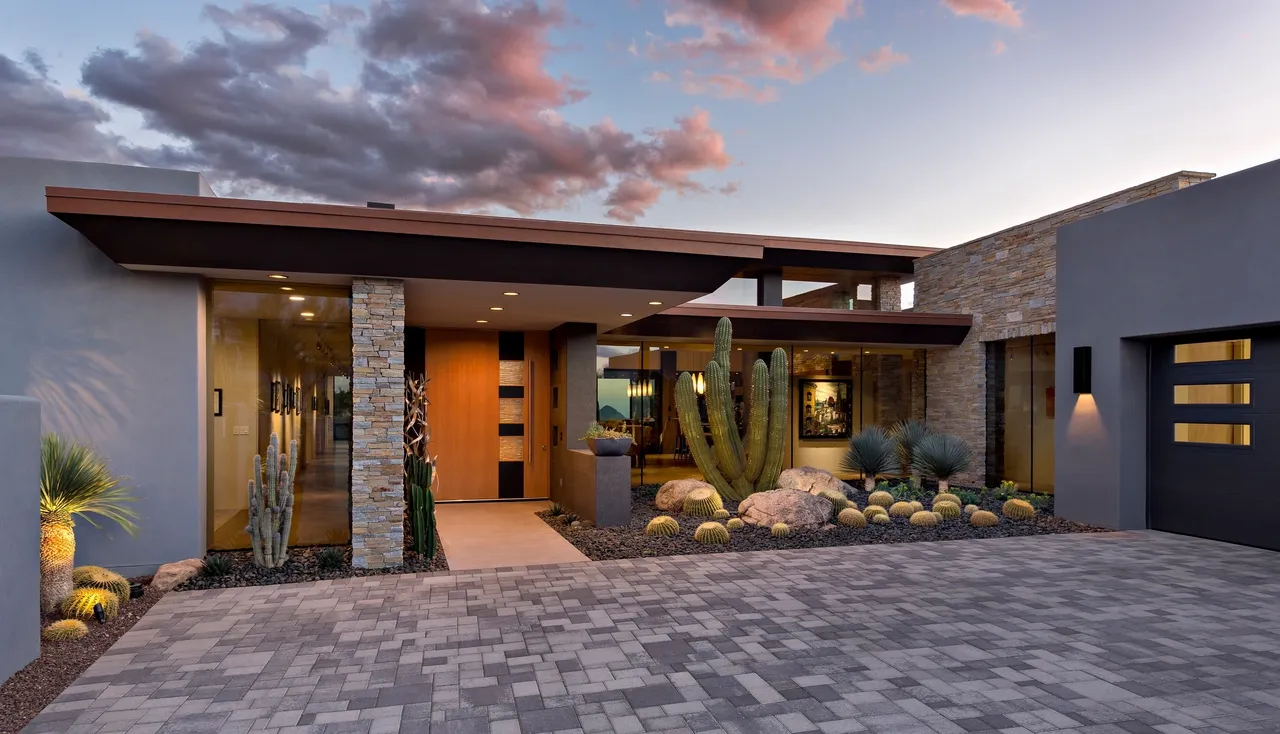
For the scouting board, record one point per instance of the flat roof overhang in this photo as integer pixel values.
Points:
(802, 326)
(180, 233)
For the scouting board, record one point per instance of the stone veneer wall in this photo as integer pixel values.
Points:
(377, 428)
(1007, 282)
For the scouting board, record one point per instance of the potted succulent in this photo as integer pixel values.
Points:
(605, 442)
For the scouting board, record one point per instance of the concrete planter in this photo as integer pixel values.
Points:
(609, 446)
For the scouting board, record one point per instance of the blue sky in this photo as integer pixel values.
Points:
(985, 123)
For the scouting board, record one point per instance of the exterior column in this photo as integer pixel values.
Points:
(769, 288)
(377, 423)
(888, 293)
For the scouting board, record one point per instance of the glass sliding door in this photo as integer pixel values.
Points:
(281, 363)
(1022, 434)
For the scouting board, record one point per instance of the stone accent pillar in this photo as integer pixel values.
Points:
(377, 425)
(888, 293)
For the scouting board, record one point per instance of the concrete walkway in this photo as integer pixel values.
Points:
(1089, 634)
(495, 535)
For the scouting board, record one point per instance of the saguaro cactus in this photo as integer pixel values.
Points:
(734, 466)
(271, 504)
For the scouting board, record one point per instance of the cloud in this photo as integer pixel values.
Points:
(40, 120)
(995, 11)
(998, 47)
(738, 41)
(881, 60)
(453, 108)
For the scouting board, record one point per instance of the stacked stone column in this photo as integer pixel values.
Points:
(377, 428)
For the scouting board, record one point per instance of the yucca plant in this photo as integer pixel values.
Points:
(872, 452)
(74, 481)
(943, 456)
(908, 435)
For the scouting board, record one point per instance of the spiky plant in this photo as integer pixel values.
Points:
(835, 497)
(780, 530)
(984, 519)
(662, 525)
(711, 533)
(331, 558)
(721, 514)
(702, 502)
(907, 435)
(74, 482)
(947, 497)
(556, 509)
(735, 523)
(948, 510)
(942, 456)
(917, 505)
(881, 518)
(80, 602)
(875, 510)
(65, 629)
(1018, 510)
(872, 452)
(970, 509)
(851, 518)
(924, 519)
(902, 509)
(97, 577)
(938, 515)
(880, 499)
(215, 565)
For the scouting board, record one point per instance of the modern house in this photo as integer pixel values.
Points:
(177, 330)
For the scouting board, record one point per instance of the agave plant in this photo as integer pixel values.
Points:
(872, 452)
(943, 456)
(74, 481)
(908, 434)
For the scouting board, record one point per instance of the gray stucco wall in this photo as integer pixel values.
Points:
(20, 528)
(1202, 258)
(115, 357)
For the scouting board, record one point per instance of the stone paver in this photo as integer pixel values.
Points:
(1089, 634)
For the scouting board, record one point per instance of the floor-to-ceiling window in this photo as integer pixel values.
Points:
(281, 363)
(1020, 426)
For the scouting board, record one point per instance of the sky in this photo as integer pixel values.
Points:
(925, 122)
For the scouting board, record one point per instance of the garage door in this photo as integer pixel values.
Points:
(1214, 438)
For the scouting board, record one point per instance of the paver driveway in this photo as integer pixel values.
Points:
(1126, 632)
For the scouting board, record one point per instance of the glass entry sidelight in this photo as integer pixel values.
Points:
(280, 362)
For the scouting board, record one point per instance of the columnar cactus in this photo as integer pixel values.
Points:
(734, 466)
(711, 533)
(662, 525)
(271, 504)
(1016, 509)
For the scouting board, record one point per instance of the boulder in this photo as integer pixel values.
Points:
(172, 574)
(811, 480)
(671, 496)
(799, 510)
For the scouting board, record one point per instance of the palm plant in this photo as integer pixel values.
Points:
(73, 481)
(872, 452)
(943, 456)
(908, 434)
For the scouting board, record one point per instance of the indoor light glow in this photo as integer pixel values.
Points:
(655, 303)
(297, 298)
(510, 293)
(481, 321)
(277, 276)
(495, 308)
(307, 314)
(286, 288)
(627, 315)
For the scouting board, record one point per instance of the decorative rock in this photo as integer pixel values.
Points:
(671, 496)
(799, 510)
(811, 480)
(171, 574)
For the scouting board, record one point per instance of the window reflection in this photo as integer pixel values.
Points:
(1021, 433)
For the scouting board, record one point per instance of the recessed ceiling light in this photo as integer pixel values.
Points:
(510, 293)
(655, 303)
(297, 298)
(286, 288)
(307, 314)
(806, 350)
(277, 276)
(666, 347)
(481, 321)
(739, 349)
(495, 308)
(626, 315)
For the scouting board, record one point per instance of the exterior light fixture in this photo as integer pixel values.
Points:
(495, 308)
(481, 321)
(655, 303)
(307, 314)
(625, 315)
(297, 298)
(510, 293)
(286, 288)
(277, 276)
(99, 613)
(1082, 370)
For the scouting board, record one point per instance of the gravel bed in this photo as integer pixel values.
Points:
(304, 565)
(26, 694)
(600, 544)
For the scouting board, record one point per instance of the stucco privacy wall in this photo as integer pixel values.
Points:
(377, 423)
(20, 528)
(1007, 281)
(1202, 259)
(114, 357)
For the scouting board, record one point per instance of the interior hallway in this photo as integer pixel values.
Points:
(487, 535)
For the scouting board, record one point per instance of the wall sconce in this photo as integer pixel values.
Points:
(1082, 370)
(217, 402)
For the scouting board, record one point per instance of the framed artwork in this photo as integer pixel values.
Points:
(277, 399)
(217, 402)
(826, 408)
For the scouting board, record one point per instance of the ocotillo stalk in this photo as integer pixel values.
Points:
(779, 378)
(757, 423)
(691, 427)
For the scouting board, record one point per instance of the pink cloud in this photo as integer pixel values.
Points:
(631, 198)
(996, 11)
(881, 60)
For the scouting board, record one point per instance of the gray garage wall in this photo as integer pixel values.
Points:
(114, 357)
(20, 528)
(1202, 258)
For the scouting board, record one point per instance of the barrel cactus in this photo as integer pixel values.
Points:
(65, 629)
(721, 514)
(902, 509)
(735, 523)
(702, 502)
(849, 517)
(80, 603)
(873, 510)
(711, 533)
(948, 510)
(880, 518)
(97, 577)
(837, 499)
(735, 466)
(938, 515)
(662, 525)
(970, 509)
(1016, 509)
(984, 519)
(946, 497)
(779, 530)
(924, 519)
(881, 498)
(271, 503)
(917, 505)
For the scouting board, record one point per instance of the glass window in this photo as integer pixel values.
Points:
(1223, 351)
(281, 357)
(1021, 409)
(735, 292)
(1017, 412)
(1222, 394)
(1043, 353)
(1232, 434)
